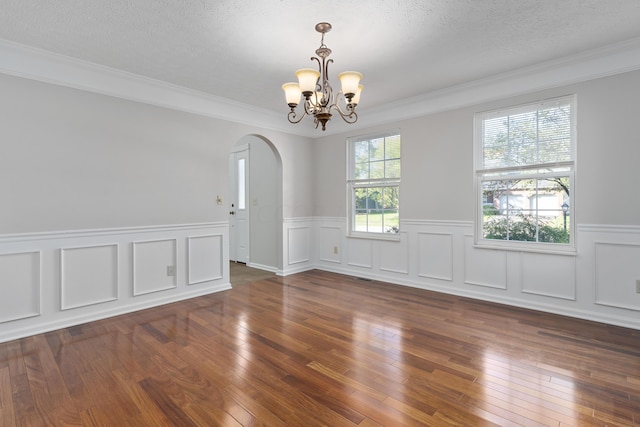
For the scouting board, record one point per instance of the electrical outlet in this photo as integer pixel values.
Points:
(171, 271)
(335, 249)
(638, 286)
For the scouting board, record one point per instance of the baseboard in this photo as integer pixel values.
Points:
(263, 267)
(104, 314)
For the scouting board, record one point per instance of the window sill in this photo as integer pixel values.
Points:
(538, 248)
(389, 237)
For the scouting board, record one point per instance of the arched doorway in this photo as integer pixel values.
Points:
(255, 216)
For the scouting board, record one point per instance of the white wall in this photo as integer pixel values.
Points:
(77, 160)
(102, 194)
(265, 205)
(436, 249)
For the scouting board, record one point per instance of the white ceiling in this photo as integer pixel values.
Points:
(244, 50)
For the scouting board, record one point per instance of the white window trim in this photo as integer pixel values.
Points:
(514, 245)
(351, 184)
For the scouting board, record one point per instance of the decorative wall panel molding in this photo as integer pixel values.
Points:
(329, 244)
(57, 279)
(603, 280)
(299, 245)
(484, 267)
(633, 230)
(89, 275)
(19, 285)
(360, 252)
(394, 255)
(435, 255)
(77, 235)
(303, 220)
(440, 256)
(152, 262)
(205, 258)
(617, 272)
(548, 275)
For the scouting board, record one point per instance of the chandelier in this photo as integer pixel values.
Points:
(319, 98)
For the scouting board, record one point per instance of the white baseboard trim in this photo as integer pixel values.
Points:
(546, 308)
(289, 271)
(22, 332)
(263, 267)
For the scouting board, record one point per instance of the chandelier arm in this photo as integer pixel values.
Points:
(309, 109)
(350, 116)
(326, 86)
(292, 115)
(320, 83)
(313, 58)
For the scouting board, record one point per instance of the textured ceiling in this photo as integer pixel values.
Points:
(244, 50)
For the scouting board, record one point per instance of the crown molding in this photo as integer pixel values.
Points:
(592, 64)
(41, 65)
(37, 64)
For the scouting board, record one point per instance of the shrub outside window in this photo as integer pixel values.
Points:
(374, 185)
(524, 176)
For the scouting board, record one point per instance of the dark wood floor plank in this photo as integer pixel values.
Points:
(131, 389)
(7, 411)
(318, 349)
(261, 415)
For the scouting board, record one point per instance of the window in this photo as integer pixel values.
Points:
(524, 176)
(242, 197)
(374, 185)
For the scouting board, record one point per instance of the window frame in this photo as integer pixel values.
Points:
(352, 184)
(558, 169)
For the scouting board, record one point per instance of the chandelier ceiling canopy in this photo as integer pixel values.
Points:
(319, 98)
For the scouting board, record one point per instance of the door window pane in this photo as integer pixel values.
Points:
(241, 184)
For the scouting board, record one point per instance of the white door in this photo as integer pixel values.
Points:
(239, 210)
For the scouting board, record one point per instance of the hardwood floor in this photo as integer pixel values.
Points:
(241, 274)
(322, 349)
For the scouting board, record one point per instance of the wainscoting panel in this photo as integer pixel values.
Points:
(299, 241)
(435, 255)
(548, 275)
(484, 267)
(329, 244)
(617, 270)
(151, 262)
(57, 279)
(19, 285)
(598, 283)
(359, 253)
(205, 258)
(89, 275)
(394, 256)
(298, 246)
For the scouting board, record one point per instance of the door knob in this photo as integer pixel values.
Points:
(232, 213)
